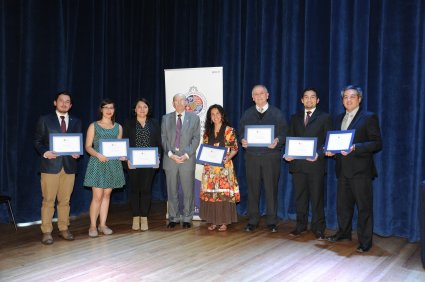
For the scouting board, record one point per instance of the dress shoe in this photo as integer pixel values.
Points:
(172, 224)
(66, 235)
(320, 235)
(338, 238)
(47, 238)
(250, 227)
(144, 223)
(105, 230)
(136, 223)
(297, 232)
(361, 249)
(187, 225)
(272, 228)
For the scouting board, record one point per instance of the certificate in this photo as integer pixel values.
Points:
(66, 143)
(143, 157)
(211, 155)
(259, 135)
(338, 141)
(113, 149)
(301, 147)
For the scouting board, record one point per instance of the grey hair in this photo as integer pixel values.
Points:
(352, 87)
(260, 85)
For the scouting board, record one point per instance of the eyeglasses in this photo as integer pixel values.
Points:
(108, 108)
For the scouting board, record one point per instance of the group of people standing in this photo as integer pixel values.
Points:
(178, 138)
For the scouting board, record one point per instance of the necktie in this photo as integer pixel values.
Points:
(63, 124)
(178, 131)
(346, 121)
(307, 118)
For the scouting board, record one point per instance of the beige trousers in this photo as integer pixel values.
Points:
(56, 186)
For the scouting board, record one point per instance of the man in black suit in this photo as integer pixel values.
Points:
(57, 172)
(308, 175)
(355, 169)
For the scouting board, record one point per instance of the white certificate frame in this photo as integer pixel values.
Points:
(146, 157)
(339, 141)
(206, 151)
(66, 144)
(259, 135)
(113, 149)
(301, 147)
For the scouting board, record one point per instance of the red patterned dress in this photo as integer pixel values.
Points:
(220, 188)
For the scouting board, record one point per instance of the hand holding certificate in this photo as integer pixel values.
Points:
(339, 141)
(301, 147)
(63, 144)
(211, 155)
(259, 135)
(113, 149)
(144, 157)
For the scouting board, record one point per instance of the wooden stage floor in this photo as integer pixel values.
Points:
(197, 254)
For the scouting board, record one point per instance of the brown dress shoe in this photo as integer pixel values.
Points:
(47, 238)
(65, 234)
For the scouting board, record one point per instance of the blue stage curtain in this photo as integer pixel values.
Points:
(119, 49)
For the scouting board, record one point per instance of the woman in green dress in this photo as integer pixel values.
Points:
(102, 174)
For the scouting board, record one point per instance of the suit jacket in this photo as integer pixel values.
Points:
(50, 124)
(189, 140)
(367, 141)
(318, 126)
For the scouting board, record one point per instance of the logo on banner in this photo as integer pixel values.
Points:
(196, 101)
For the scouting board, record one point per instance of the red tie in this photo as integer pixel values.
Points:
(63, 124)
(307, 118)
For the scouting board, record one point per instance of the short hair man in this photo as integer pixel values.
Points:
(57, 172)
(262, 164)
(355, 169)
(308, 175)
(180, 135)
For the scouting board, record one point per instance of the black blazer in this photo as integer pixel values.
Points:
(367, 141)
(129, 131)
(318, 126)
(50, 124)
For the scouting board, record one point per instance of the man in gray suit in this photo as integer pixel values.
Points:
(180, 133)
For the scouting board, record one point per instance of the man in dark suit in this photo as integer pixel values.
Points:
(355, 169)
(308, 175)
(180, 135)
(262, 164)
(57, 172)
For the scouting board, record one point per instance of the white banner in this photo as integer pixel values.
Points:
(203, 87)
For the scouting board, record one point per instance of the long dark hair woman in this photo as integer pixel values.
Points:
(142, 131)
(219, 188)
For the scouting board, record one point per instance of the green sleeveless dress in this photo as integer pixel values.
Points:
(104, 175)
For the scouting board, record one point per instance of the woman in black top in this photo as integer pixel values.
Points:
(142, 131)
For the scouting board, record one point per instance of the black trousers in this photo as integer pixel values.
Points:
(141, 190)
(351, 192)
(262, 169)
(309, 188)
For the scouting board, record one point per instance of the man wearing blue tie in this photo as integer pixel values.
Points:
(180, 134)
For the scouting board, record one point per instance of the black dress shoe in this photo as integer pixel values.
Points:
(297, 232)
(272, 228)
(171, 224)
(250, 227)
(187, 225)
(319, 235)
(361, 249)
(338, 237)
